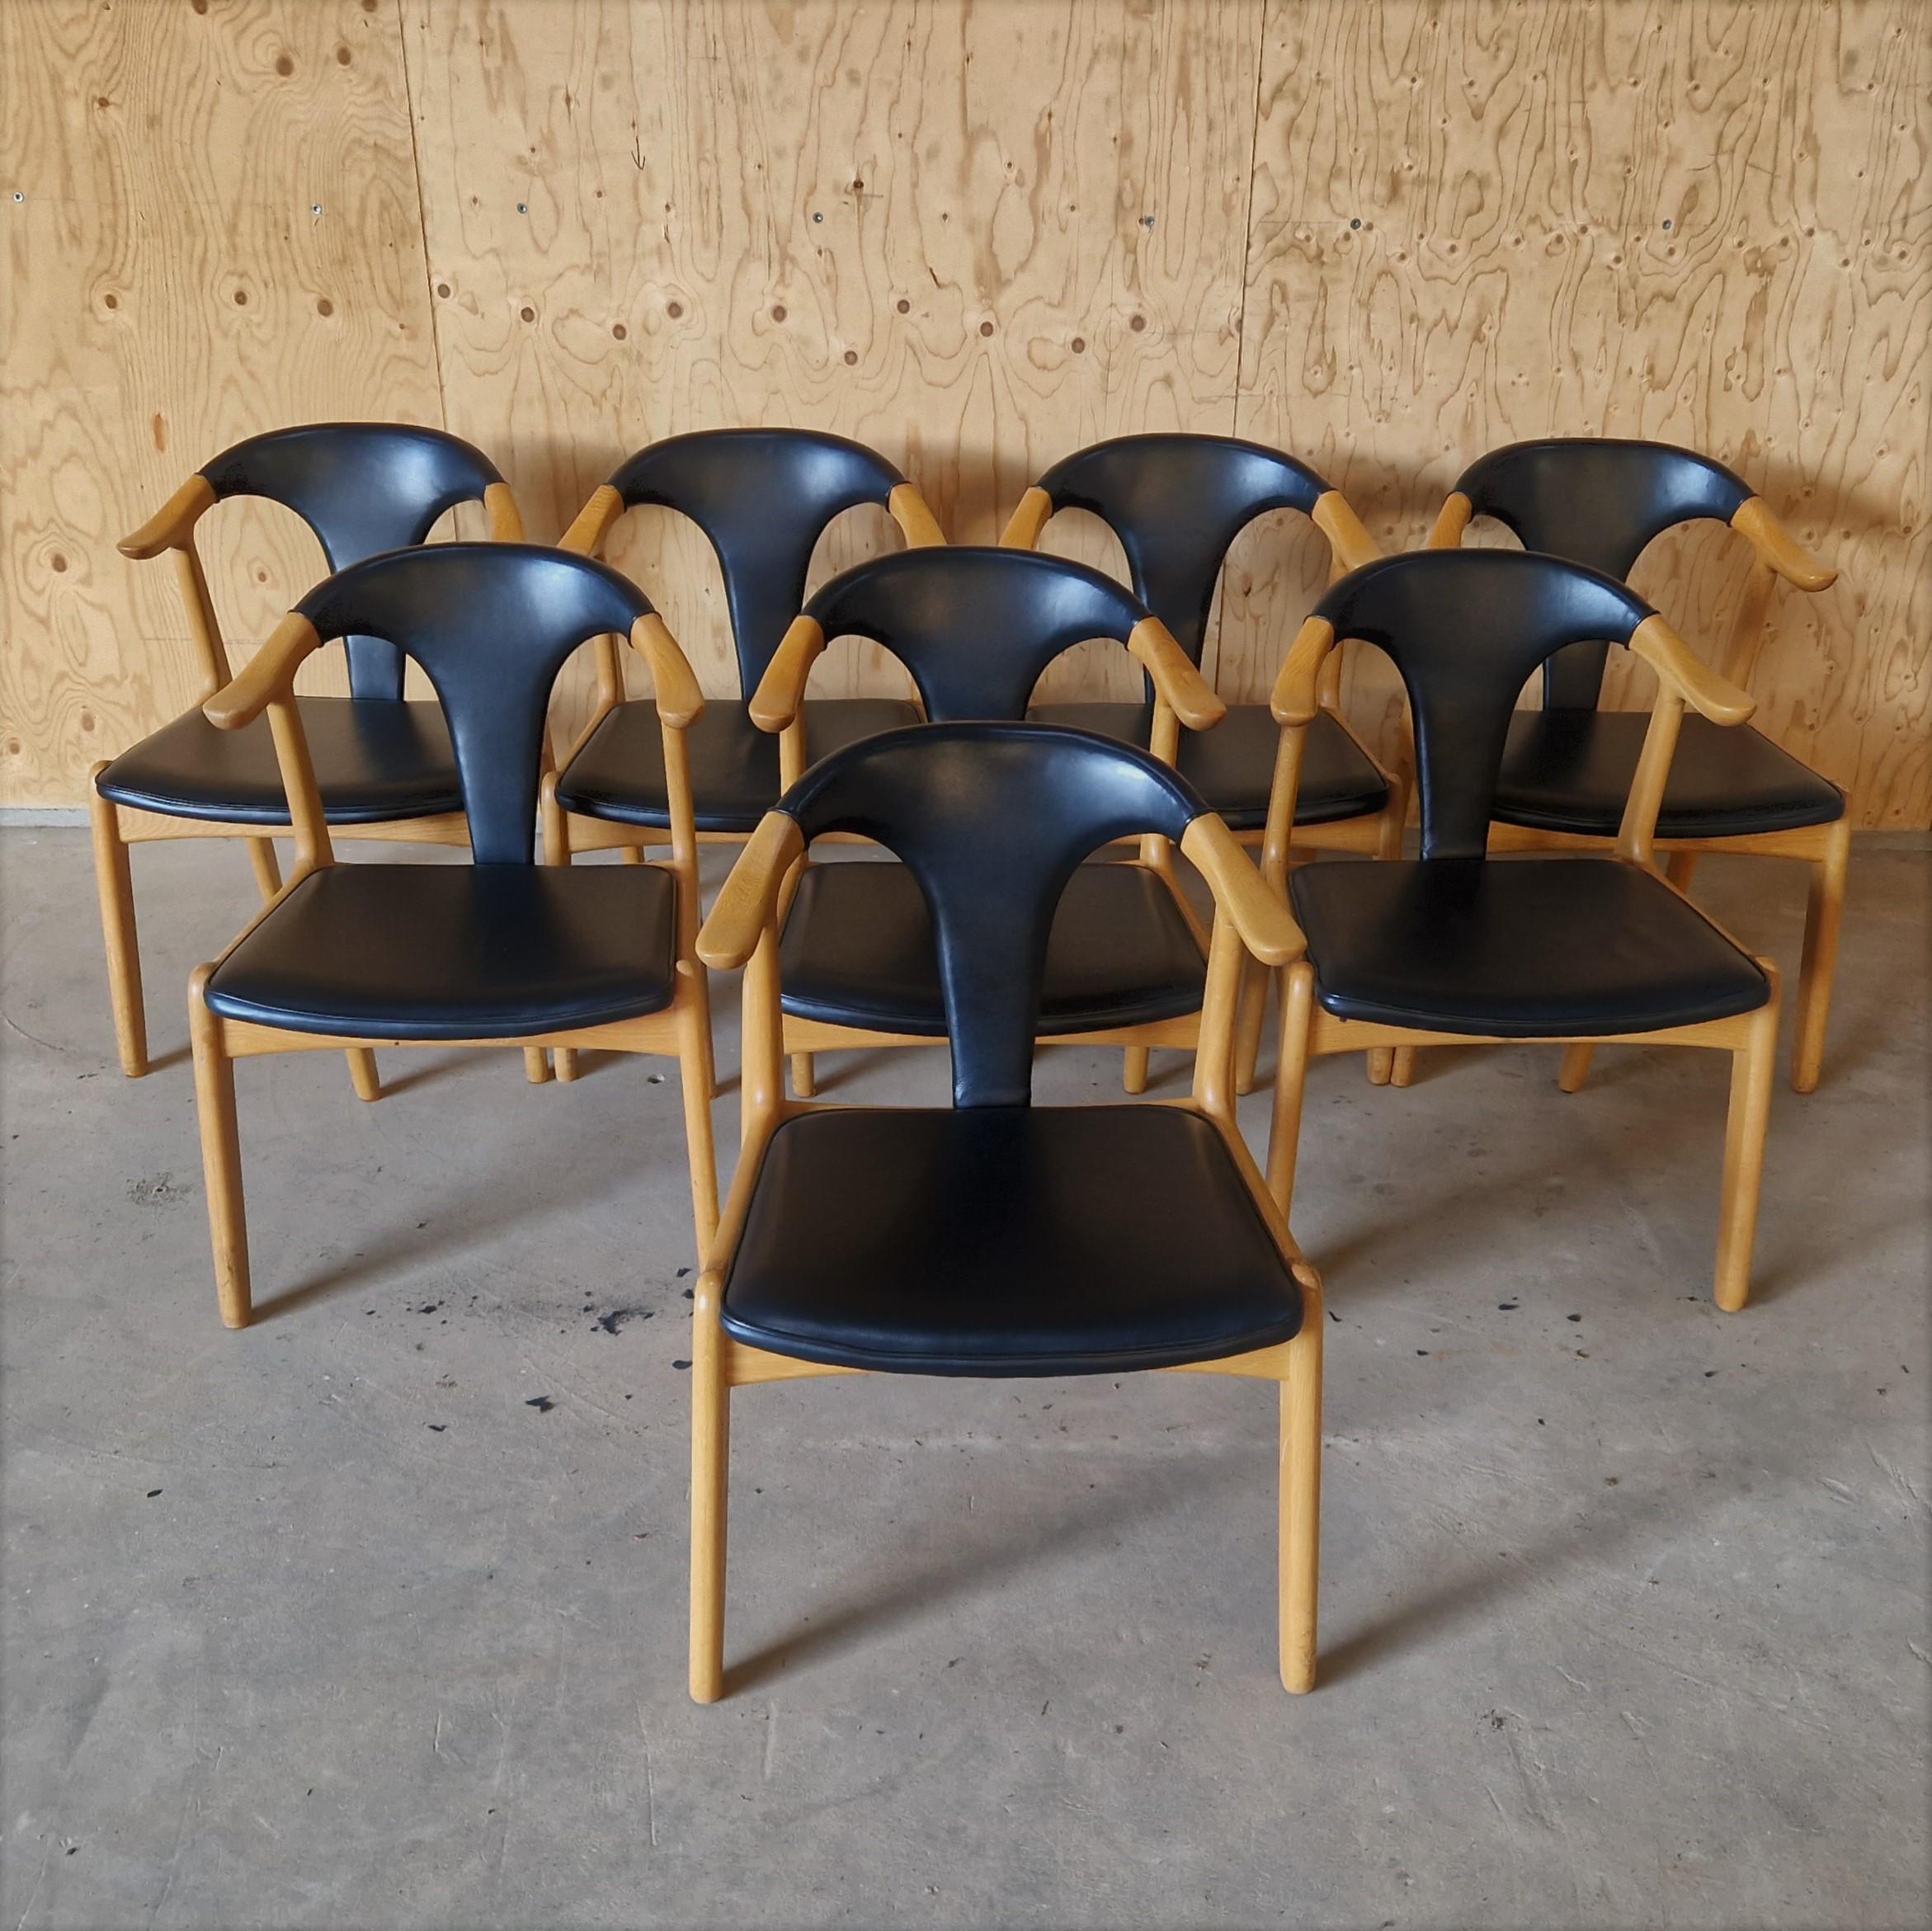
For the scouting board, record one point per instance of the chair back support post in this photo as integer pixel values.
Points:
(761, 1070)
(1213, 1064)
(203, 625)
(1636, 835)
(1747, 629)
(312, 845)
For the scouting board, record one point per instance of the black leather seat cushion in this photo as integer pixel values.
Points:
(1570, 771)
(456, 952)
(620, 773)
(1522, 949)
(858, 950)
(374, 760)
(1005, 1241)
(1232, 765)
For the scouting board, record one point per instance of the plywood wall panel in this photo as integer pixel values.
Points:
(211, 228)
(976, 234)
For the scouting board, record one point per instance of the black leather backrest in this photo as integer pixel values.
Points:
(491, 624)
(974, 626)
(1596, 500)
(1465, 628)
(1176, 502)
(763, 498)
(363, 487)
(992, 820)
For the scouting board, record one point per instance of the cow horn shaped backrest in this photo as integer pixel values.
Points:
(1465, 628)
(1597, 500)
(992, 820)
(763, 498)
(1176, 502)
(363, 487)
(491, 623)
(974, 627)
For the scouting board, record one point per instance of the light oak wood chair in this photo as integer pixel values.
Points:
(384, 767)
(1568, 767)
(1176, 502)
(497, 953)
(975, 627)
(995, 1238)
(1457, 948)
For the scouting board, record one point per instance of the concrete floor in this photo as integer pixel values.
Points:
(332, 1623)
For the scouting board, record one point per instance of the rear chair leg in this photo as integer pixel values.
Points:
(1822, 914)
(362, 1072)
(1575, 1067)
(556, 830)
(268, 871)
(114, 879)
(221, 1154)
(804, 1077)
(1298, 1014)
(1751, 1067)
(537, 1065)
(1681, 868)
(1133, 1069)
(711, 1496)
(1401, 1065)
(1300, 1504)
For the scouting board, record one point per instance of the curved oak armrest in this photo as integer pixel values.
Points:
(170, 526)
(1350, 544)
(270, 674)
(1689, 674)
(748, 903)
(1778, 549)
(1451, 520)
(592, 524)
(781, 691)
(1297, 692)
(1179, 685)
(1034, 511)
(1267, 927)
(674, 684)
(506, 519)
(916, 523)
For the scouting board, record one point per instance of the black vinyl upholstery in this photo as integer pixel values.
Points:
(1597, 500)
(619, 774)
(1570, 771)
(456, 952)
(858, 949)
(992, 821)
(375, 760)
(1519, 948)
(1232, 766)
(1001, 1240)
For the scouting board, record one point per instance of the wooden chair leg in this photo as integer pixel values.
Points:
(362, 1072)
(268, 871)
(700, 1149)
(114, 880)
(1823, 913)
(556, 831)
(1285, 1132)
(1401, 1065)
(1681, 868)
(1752, 1065)
(710, 1498)
(1381, 1064)
(221, 1154)
(1300, 1506)
(1133, 1070)
(1575, 1067)
(1255, 982)
(804, 1080)
(537, 1065)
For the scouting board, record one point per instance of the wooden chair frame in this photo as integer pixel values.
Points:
(1376, 834)
(1750, 1039)
(681, 1031)
(171, 530)
(742, 930)
(1777, 556)
(1182, 696)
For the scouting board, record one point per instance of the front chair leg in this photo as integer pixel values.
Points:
(1285, 1132)
(362, 1073)
(1575, 1067)
(221, 1154)
(114, 880)
(1823, 912)
(537, 1065)
(1301, 1499)
(1401, 1066)
(711, 1496)
(1751, 1067)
